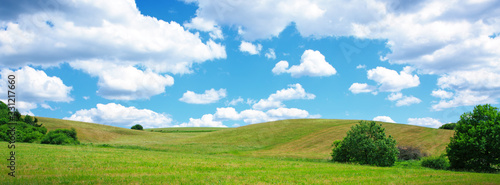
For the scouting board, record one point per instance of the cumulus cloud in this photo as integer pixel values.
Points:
(312, 63)
(117, 32)
(439, 38)
(34, 87)
(210, 96)
(361, 66)
(250, 48)
(403, 100)
(390, 81)
(442, 94)
(234, 102)
(295, 91)
(384, 119)
(119, 115)
(201, 24)
(470, 88)
(270, 54)
(357, 88)
(206, 120)
(425, 122)
(114, 85)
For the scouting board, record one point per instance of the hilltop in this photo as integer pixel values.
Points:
(303, 138)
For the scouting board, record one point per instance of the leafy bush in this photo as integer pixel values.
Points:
(366, 143)
(137, 127)
(61, 137)
(24, 132)
(439, 163)
(410, 153)
(448, 126)
(476, 142)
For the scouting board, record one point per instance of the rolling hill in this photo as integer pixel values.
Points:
(298, 138)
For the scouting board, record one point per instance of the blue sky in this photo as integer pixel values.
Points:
(234, 63)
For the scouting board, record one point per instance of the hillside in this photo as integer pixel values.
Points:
(303, 138)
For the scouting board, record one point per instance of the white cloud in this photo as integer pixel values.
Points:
(434, 37)
(112, 31)
(390, 81)
(210, 96)
(270, 54)
(36, 86)
(426, 122)
(464, 98)
(407, 101)
(361, 66)
(403, 100)
(206, 120)
(442, 94)
(357, 88)
(312, 63)
(295, 91)
(395, 96)
(86, 97)
(384, 119)
(228, 113)
(250, 48)
(119, 115)
(113, 84)
(470, 88)
(205, 25)
(234, 102)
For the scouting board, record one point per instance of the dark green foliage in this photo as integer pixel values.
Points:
(410, 153)
(476, 143)
(366, 143)
(24, 132)
(61, 137)
(17, 116)
(28, 120)
(137, 127)
(439, 163)
(26, 129)
(448, 126)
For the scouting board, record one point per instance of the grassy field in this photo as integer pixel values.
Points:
(283, 152)
(49, 164)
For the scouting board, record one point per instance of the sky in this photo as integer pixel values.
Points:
(218, 63)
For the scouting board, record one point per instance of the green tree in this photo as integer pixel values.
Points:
(448, 126)
(17, 115)
(61, 137)
(137, 127)
(476, 142)
(28, 120)
(366, 143)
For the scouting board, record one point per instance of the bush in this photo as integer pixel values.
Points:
(366, 143)
(137, 127)
(410, 153)
(439, 163)
(476, 142)
(448, 126)
(24, 132)
(61, 137)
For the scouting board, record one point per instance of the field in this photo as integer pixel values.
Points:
(282, 152)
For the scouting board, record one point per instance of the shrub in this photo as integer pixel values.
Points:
(24, 132)
(137, 127)
(448, 126)
(366, 143)
(61, 137)
(410, 153)
(476, 142)
(439, 163)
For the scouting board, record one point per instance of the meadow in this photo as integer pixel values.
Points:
(281, 152)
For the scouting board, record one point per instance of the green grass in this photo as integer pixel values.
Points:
(185, 129)
(282, 152)
(50, 164)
